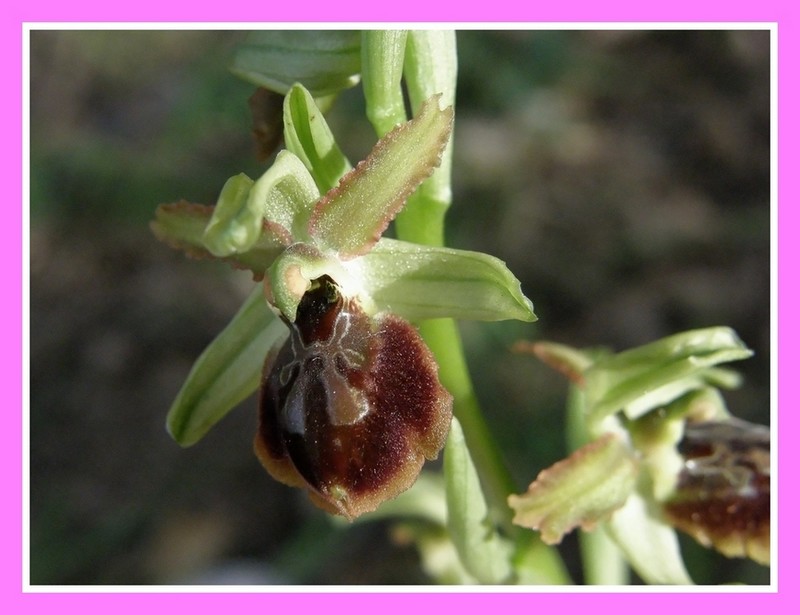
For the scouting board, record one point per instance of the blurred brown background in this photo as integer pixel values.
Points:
(623, 176)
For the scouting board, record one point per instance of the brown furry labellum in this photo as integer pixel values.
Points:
(723, 494)
(351, 406)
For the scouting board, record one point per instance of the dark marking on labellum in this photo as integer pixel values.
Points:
(722, 498)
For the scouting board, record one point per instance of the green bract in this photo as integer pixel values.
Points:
(483, 552)
(283, 230)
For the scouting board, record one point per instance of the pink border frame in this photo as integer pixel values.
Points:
(12, 597)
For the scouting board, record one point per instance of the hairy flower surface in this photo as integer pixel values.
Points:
(351, 405)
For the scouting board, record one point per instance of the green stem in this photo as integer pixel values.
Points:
(602, 560)
(422, 221)
(443, 338)
(430, 67)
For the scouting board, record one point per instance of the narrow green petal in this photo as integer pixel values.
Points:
(352, 216)
(640, 379)
(227, 372)
(420, 282)
(181, 225)
(234, 226)
(484, 554)
(308, 136)
(285, 196)
(579, 491)
(325, 61)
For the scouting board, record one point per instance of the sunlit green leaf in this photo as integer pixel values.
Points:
(421, 282)
(352, 216)
(324, 61)
(308, 136)
(484, 554)
(640, 379)
(227, 371)
(581, 490)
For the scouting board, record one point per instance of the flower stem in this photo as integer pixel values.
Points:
(443, 338)
(422, 221)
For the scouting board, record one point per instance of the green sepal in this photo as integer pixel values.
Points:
(483, 552)
(420, 282)
(655, 374)
(325, 61)
(350, 218)
(308, 136)
(227, 371)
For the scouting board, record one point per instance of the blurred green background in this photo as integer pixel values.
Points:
(622, 175)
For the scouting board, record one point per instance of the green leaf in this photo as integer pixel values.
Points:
(382, 58)
(352, 216)
(227, 372)
(484, 554)
(650, 545)
(581, 490)
(308, 136)
(325, 61)
(420, 282)
(649, 376)
(181, 225)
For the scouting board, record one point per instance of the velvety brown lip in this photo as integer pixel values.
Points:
(351, 406)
